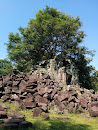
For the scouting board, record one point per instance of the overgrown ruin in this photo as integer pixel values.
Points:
(60, 70)
(42, 90)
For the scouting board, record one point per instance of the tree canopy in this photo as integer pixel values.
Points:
(51, 33)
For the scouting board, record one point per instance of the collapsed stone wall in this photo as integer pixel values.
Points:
(43, 94)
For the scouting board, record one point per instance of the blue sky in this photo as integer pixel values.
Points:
(16, 13)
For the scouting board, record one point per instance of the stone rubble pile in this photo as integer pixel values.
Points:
(12, 119)
(44, 95)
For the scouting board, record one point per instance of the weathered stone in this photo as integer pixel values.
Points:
(24, 94)
(42, 101)
(44, 108)
(49, 91)
(79, 97)
(22, 97)
(71, 106)
(53, 93)
(79, 111)
(46, 76)
(73, 92)
(6, 79)
(9, 83)
(94, 113)
(21, 76)
(7, 90)
(32, 79)
(42, 91)
(30, 99)
(64, 119)
(29, 95)
(16, 83)
(94, 108)
(5, 98)
(83, 102)
(77, 100)
(63, 96)
(37, 112)
(45, 116)
(66, 113)
(36, 98)
(8, 121)
(72, 99)
(16, 115)
(46, 95)
(30, 90)
(25, 124)
(29, 104)
(76, 106)
(94, 97)
(36, 94)
(65, 103)
(48, 81)
(15, 97)
(18, 79)
(55, 96)
(15, 90)
(60, 109)
(94, 104)
(59, 103)
(84, 95)
(22, 85)
(45, 92)
(17, 103)
(2, 109)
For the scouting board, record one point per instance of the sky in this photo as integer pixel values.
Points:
(16, 13)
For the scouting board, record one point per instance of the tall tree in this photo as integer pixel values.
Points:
(52, 32)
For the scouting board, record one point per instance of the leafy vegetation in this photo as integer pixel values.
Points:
(94, 80)
(77, 122)
(49, 34)
(5, 67)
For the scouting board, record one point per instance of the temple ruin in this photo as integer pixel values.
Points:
(60, 70)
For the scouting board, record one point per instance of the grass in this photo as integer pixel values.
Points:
(77, 122)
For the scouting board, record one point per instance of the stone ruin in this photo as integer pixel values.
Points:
(60, 70)
(42, 91)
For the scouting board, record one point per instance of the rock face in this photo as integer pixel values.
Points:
(44, 94)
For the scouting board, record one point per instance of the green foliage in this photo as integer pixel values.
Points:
(51, 33)
(94, 80)
(84, 71)
(5, 67)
